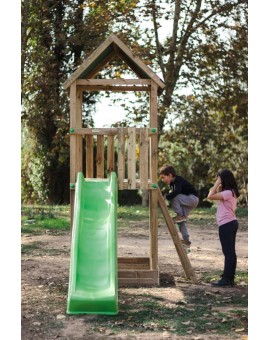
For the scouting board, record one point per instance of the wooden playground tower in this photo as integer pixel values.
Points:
(135, 170)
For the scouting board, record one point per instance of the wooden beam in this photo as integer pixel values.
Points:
(138, 282)
(189, 272)
(119, 81)
(107, 131)
(125, 185)
(129, 263)
(131, 158)
(153, 197)
(115, 88)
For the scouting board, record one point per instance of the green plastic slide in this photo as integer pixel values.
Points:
(93, 275)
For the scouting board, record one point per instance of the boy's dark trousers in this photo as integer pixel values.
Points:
(227, 236)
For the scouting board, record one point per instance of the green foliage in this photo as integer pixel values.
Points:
(56, 37)
(203, 108)
(37, 218)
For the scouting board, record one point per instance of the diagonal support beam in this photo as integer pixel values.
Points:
(189, 272)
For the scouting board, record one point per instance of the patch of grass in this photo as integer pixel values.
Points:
(39, 224)
(241, 277)
(35, 219)
(27, 249)
(242, 212)
(133, 213)
(45, 211)
(37, 249)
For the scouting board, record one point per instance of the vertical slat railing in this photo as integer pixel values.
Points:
(121, 159)
(143, 158)
(110, 154)
(100, 156)
(131, 158)
(89, 156)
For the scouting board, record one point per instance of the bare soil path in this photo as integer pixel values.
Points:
(45, 276)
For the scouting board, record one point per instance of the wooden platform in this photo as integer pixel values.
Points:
(135, 271)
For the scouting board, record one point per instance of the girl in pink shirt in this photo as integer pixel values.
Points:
(226, 192)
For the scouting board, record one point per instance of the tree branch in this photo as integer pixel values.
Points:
(158, 44)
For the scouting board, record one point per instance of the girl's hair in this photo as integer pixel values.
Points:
(167, 169)
(228, 181)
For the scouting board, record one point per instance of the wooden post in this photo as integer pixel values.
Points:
(153, 202)
(75, 140)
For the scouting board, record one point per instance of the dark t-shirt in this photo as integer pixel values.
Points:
(181, 186)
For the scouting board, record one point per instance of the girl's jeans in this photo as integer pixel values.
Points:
(227, 236)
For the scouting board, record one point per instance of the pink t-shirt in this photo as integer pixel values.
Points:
(226, 208)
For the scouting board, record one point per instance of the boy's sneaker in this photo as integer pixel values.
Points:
(179, 219)
(186, 243)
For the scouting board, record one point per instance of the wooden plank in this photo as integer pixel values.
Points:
(119, 81)
(89, 156)
(138, 185)
(143, 164)
(131, 158)
(100, 156)
(115, 88)
(138, 274)
(110, 155)
(133, 260)
(138, 282)
(189, 272)
(107, 131)
(121, 159)
(132, 263)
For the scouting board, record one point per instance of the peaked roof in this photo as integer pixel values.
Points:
(111, 48)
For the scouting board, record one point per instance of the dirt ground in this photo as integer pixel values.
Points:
(45, 276)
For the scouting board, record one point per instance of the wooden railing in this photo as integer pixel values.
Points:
(127, 149)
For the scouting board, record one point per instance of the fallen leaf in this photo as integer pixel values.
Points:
(185, 323)
(60, 317)
(239, 330)
(36, 323)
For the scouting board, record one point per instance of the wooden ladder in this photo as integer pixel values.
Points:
(189, 272)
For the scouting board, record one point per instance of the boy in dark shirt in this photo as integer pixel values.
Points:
(183, 198)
